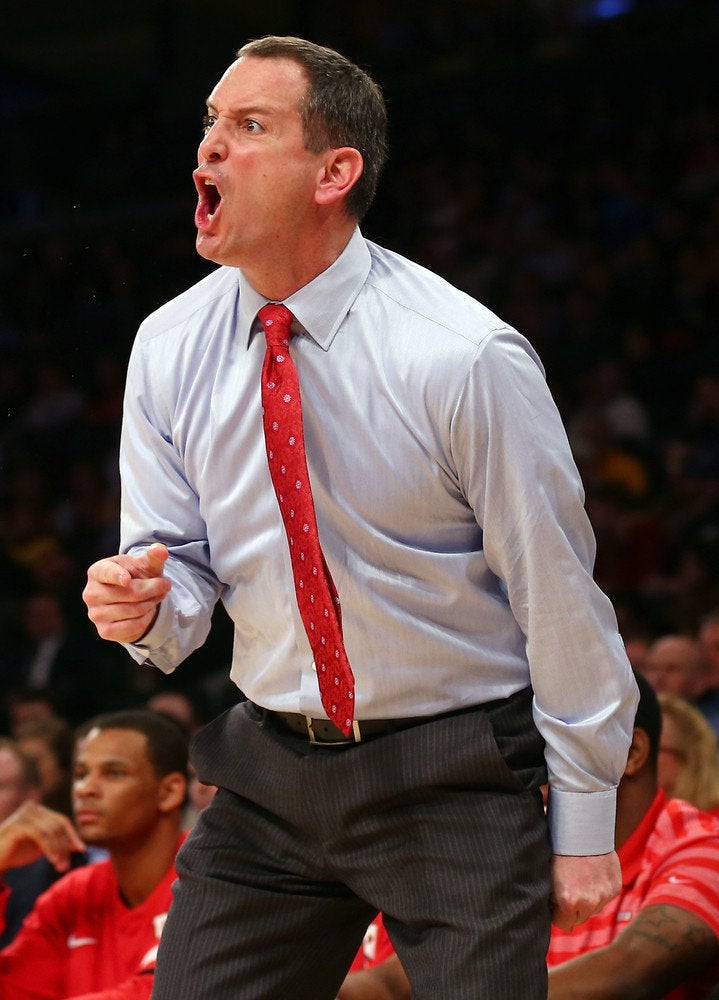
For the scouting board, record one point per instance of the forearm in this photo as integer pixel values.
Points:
(597, 976)
(662, 947)
(386, 981)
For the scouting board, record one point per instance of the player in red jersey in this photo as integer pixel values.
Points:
(376, 973)
(659, 938)
(94, 934)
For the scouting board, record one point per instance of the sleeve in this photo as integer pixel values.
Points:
(31, 966)
(690, 880)
(138, 987)
(519, 476)
(159, 505)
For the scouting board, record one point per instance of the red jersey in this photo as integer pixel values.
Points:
(376, 946)
(81, 942)
(672, 857)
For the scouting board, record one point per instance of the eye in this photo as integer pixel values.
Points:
(252, 126)
(207, 122)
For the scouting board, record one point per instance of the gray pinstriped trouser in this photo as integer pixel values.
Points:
(439, 826)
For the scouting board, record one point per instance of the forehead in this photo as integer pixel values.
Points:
(676, 653)
(710, 632)
(113, 744)
(9, 764)
(277, 84)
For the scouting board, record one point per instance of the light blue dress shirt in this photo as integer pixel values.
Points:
(449, 509)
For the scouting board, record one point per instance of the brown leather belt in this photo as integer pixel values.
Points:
(324, 733)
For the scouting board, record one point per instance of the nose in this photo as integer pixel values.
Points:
(84, 786)
(213, 146)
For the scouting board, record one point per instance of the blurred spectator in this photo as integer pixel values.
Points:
(54, 401)
(709, 639)
(676, 664)
(23, 705)
(659, 938)
(19, 779)
(59, 656)
(607, 398)
(179, 706)
(19, 782)
(49, 742)
(688, 765)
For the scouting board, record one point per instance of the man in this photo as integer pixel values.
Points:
(96, 930)
(676, 664)
(19, 779)
(20, 782)
(461, 625)
(660, 936)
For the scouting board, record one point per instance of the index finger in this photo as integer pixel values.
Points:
(110, 571)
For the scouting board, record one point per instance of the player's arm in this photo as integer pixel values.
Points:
(138, 987)
(662, 947)
(386, 981)
(33, 830)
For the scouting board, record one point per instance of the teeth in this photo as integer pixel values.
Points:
(209, 183)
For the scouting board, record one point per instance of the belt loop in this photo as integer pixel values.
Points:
(310, 730)
(356, 731)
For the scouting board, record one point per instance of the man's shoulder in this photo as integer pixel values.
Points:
(196, 300)
(411, 286)
(680, 823)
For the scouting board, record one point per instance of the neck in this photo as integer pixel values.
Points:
(290, 268)
(141, 867)
(634, 797)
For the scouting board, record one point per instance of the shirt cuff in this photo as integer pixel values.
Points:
(151, 650)
(581, 824)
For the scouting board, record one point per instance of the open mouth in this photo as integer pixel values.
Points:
(208, 204)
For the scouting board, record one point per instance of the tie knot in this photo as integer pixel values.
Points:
(276, 322)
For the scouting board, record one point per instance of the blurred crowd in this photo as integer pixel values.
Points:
(554, 170)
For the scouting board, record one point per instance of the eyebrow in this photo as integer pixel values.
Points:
(243, 111)
(107, 762)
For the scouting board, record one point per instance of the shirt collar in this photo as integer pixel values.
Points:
(321, 305)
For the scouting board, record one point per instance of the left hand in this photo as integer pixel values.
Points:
(33, 830)
(582, 886)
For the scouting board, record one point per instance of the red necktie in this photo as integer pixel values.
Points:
(316, 593)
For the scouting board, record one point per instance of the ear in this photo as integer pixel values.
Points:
(340, 171)
(638, 753)
(172, 792)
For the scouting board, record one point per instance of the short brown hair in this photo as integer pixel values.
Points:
(343, 107)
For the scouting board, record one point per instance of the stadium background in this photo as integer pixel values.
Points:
(559, 159)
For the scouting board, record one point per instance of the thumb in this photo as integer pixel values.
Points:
(152, 562)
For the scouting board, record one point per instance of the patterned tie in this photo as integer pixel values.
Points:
(316, 593)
